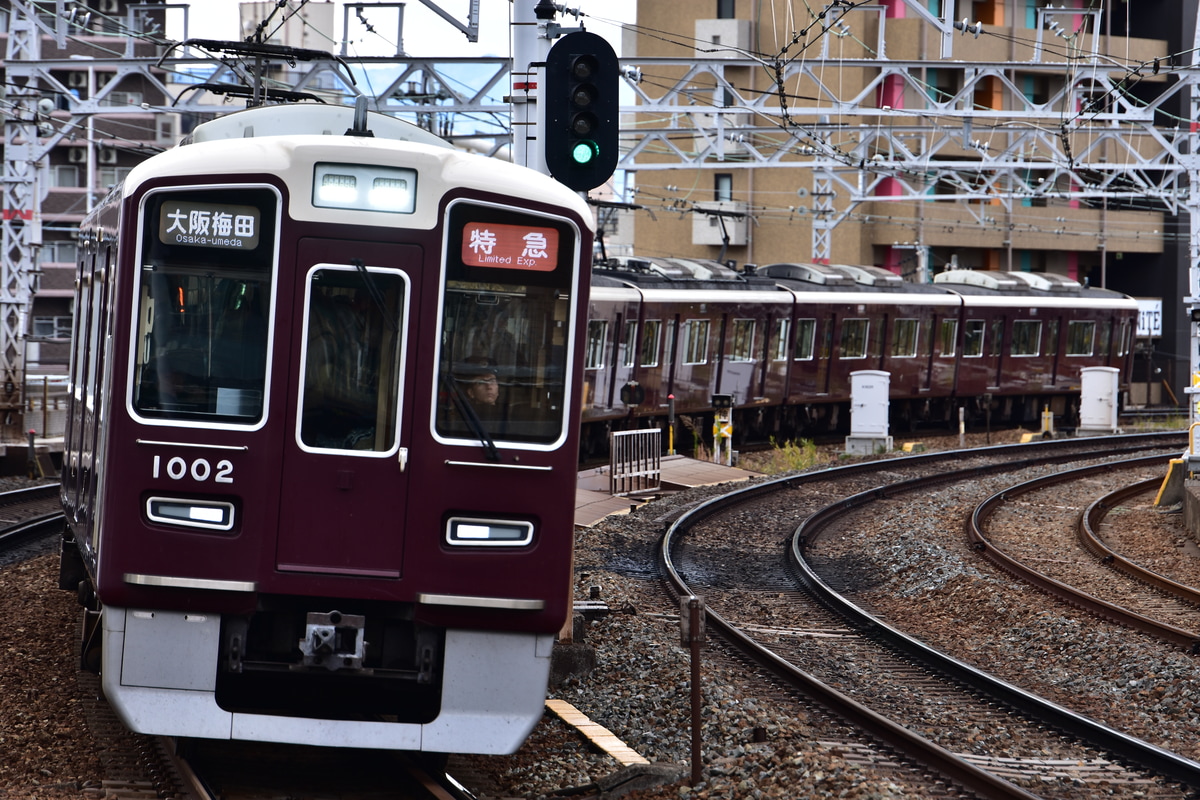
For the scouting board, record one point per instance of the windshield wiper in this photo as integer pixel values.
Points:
(375, 293)
(467, 412)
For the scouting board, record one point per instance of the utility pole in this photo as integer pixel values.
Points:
(22, 220)
(529, 49)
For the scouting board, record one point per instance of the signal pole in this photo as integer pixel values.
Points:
(529, 48)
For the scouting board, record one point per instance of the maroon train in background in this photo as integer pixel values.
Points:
(781, 342)
(294, 514)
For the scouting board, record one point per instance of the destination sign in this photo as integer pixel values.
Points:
(209, 225)
(490, 244)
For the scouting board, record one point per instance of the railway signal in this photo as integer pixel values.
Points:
(582, 112)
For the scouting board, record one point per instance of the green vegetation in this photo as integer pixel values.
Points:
(786, 457)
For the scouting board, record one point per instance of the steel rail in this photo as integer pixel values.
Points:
(1189, 640)
(946, 763)
(1088, 534)
(916, 747)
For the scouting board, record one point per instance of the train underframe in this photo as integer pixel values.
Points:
(313, 671)
(763, 424)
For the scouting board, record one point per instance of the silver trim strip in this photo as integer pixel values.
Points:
(465, 601)
(497, 466)
(242, 448)
(173, 582)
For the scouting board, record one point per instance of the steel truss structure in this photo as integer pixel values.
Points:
(1092, 138)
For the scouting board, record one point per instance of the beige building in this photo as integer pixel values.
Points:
(873, 119)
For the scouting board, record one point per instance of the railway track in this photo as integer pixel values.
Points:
(1127, 594)
(997, 740)
(136, 767)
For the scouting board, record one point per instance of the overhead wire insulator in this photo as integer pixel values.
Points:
(966, 27)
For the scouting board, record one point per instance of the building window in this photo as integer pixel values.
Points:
(60, 252)
(723, 187)
(65, 176)
(725, 9)
(52, 327)
(118, 99)
(111, 176)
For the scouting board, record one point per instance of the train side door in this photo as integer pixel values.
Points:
(345, 450)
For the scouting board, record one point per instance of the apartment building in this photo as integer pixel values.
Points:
(90, 88)
(868, 95)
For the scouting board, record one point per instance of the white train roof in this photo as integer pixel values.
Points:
(319, 120)
(267, 145)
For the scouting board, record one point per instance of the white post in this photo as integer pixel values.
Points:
(529, 49)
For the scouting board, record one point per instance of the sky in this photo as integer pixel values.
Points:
(425, 33)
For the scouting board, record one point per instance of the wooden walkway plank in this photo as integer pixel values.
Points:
(597, 734)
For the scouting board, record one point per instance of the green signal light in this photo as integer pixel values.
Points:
(584, 153)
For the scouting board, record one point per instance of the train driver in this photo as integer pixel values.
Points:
(482, 387)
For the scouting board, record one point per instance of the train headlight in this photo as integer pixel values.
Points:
(365, 187)
(212, 515)
(467, 532)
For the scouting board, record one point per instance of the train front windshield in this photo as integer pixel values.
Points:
(204, 299)
(506, 310)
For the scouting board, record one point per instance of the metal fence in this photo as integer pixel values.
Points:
(635, 461)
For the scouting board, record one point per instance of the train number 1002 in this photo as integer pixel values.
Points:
(200, 469)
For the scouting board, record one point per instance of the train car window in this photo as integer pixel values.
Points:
(742, 348)
(973, 340)
(1123, 337)
(597, 335)
(204, 298)
(779, 338)
(629, 344)
(651, 339)
(949, 337)
(1026, 337)
(1081, 337)
(1051, 348)
(997, 336)
(695, 341)
(505, 338)
(353, 342)
(854, 339)
(905, 336)
(806, 332)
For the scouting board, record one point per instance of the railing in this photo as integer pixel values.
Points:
(635, 461)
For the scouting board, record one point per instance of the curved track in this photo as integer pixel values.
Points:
(773, 646)
(1139, 601)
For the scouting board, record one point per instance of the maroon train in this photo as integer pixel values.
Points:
(781, 342)
(287, 520)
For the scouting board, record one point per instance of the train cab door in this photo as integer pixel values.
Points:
(343, 471)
